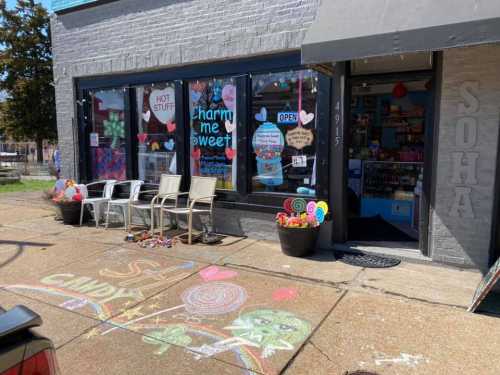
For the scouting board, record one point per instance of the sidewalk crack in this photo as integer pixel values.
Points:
(319, 350)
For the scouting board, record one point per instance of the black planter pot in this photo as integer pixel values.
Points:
(298, 242)
(70, 212)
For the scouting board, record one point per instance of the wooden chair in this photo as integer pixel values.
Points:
(168, 190)
(201, 192)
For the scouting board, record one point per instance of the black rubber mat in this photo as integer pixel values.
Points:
(366, 260)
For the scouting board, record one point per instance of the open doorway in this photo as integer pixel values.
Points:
(390, 116)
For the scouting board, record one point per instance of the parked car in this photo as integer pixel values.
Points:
(22, 351)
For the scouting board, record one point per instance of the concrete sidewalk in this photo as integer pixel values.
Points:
(240, 307)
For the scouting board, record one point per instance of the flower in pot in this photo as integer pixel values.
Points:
(67, 197)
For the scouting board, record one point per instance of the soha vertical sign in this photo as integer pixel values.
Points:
(465, 159)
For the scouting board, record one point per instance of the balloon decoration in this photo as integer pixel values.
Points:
(114, 128)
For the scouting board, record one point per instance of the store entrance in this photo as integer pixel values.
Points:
(389, 117)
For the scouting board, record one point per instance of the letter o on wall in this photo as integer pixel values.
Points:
(466, 132)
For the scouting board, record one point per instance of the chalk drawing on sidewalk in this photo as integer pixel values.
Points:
(271, 330)
(175, 334)
(404, 359)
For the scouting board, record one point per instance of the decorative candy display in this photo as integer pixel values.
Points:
(302, 214)
(287, 205)
(299, 205)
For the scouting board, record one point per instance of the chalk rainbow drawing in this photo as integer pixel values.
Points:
(271, 329)
(174, 334)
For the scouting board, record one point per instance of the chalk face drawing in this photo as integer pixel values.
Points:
(175, 334)
(271, 330)
(215, 298)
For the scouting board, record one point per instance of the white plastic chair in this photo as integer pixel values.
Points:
(123, 203)
(97, 202)
(201, 191)
(168, 190)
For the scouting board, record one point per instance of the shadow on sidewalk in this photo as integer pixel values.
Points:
(21, 245)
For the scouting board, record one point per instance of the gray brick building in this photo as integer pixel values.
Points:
(419, 93)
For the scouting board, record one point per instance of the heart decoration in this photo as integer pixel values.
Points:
(171, 126)
(196, 154)
(169, 146)
(155, 146)
(306, 118)
(229, 97)
(285, 294)
(162, 103)
(142, 137)
(214, 273)
(262, 115)
(198, 86)
(230, 126)
(146, 116)
(195, 96)
(230, 153)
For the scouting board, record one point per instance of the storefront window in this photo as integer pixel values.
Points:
(284, 132)
(156, 133)
(212, 105)
(107, 136)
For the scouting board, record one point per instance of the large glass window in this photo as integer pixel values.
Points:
(107, 137)
(284, 132)
(212, 108)
(156, 131)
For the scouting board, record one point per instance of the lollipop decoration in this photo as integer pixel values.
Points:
(299, 205)
(302, 214)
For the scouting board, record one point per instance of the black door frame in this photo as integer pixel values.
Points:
(343, 82)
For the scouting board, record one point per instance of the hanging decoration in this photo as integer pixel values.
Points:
(171, 126)
(162, 103)
(399, 90)
(229, 97)
(114, 128)
(146, 116)
(141, 137)
(300, 137)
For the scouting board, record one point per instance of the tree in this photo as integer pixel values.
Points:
(28, 111)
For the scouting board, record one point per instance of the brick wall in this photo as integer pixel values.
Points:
(467, 149)
(131, 35)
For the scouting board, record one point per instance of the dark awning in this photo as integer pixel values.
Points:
(353, 29)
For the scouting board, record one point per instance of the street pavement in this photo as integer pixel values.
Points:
(239, 307)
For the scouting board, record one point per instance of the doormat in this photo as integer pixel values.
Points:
(366, 260)
(375, 229)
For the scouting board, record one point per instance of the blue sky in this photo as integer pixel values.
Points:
(46, 3)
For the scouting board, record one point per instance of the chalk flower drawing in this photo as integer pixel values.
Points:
(271, 330)
(171, 335)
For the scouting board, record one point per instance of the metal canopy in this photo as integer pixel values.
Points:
(353, 29)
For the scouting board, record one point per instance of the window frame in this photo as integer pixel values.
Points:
(242, 71)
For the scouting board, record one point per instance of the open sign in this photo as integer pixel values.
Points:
(288, 117)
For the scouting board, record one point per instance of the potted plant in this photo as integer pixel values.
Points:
(298, 227)
(68, 199)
